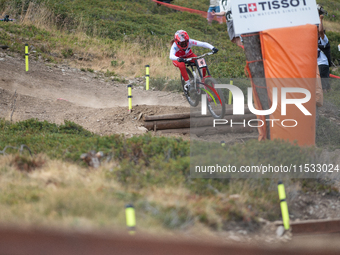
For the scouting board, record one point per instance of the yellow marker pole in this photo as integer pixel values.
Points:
(26, 56)
(147, 76)
(130, 218)
(130, 97)
(230, 94)
(284, 206)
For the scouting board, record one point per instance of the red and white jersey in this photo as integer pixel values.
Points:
(176, 53)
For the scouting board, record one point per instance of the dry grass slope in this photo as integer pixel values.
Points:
(124, 58)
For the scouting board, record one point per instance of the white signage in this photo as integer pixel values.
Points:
(256, 15)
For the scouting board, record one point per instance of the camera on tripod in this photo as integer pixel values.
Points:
(321, 10)
(6, 19)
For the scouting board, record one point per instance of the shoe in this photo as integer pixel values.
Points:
(186, 87)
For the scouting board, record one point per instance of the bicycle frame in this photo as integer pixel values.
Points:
(198, 69)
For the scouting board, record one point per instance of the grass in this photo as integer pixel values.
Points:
(82, 51)
(123, 36)
(164, 84)
(328, 134)
(54, 187)
(333, 97)
(106, 35)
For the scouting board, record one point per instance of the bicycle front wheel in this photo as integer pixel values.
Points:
(215, 99)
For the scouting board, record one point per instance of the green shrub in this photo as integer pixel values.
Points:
(109, 73)
(67, 52)
(328, 133)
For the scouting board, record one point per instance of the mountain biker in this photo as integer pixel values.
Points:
(181, 49)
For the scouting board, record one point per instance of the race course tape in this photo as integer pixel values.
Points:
(334, 76)
(184, 9)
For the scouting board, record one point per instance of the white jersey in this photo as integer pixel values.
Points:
(214, 3)
(227, 9)
(322, 59)
(223, 5)
(176, 53)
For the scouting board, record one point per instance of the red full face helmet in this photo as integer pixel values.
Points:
(182, 39)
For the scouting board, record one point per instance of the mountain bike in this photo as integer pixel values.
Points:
(206, 84)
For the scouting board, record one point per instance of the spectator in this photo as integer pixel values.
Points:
(213, 7)
(323, 61)
(6, 19)
(230, 24)
(164, 1)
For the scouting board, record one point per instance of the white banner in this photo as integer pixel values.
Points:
(256, 15)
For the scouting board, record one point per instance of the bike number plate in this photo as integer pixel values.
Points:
(201, 63)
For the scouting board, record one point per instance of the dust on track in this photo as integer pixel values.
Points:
(58, 92)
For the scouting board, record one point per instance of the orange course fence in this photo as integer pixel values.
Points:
(291, 65)
(334, 76)
(184, 9)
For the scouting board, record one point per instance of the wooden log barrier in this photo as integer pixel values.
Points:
(167, 116)
(223, 129)
(167, 124)
(209, 121)
(228, 111)
(196, 114)
(193, 122)
(201, 131)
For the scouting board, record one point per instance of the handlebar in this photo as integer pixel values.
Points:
(205, 54)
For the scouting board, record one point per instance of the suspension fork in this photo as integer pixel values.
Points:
(193, 71)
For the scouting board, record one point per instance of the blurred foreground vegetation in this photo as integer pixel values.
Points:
(54, 187)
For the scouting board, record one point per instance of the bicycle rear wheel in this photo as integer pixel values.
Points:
(192, 95)
(215, 99)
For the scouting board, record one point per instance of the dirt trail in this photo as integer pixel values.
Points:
(57, 93)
